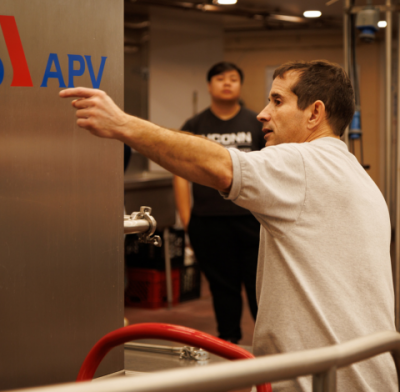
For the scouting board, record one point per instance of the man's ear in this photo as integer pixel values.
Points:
(317, 115)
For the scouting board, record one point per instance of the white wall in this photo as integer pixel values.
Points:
(183, 46)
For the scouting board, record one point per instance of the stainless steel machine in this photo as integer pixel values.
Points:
(61, 213)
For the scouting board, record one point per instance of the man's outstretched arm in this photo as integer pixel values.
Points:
(196, 159)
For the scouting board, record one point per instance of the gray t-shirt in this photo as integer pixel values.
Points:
(324, 269)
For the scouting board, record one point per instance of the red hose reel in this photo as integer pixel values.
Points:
(172, 332)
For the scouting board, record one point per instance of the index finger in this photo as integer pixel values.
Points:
(79, 92)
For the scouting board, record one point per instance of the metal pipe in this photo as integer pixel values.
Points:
(346, 46)
(245, 373)
(388, 103)
(144, 224)
(382, 8)
(153, 348)
(185, 352)
(168, 275)
(396, 263)
(135, 226)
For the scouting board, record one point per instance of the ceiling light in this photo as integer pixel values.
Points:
(312, 14)
(382, 24)
(288, 18)
(225, 2)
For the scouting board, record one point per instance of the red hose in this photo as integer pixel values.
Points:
(175, 333)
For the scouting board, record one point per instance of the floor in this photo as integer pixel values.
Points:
(197, 314)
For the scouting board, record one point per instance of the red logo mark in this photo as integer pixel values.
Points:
(22, 76)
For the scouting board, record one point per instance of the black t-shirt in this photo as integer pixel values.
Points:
(242, 132)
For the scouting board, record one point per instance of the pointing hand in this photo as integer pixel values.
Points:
(97, 112)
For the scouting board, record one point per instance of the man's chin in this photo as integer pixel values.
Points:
(228, 99)
(269, 142)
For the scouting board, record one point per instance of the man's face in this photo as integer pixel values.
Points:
(225, 86)
(283, 121)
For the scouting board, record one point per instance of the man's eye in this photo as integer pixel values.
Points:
(277, 101)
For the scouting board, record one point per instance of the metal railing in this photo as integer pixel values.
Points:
(322, 363)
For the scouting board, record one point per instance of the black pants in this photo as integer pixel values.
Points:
(226, 249)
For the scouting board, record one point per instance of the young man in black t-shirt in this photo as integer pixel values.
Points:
(224, 237)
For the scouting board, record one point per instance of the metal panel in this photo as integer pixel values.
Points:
(61, 211)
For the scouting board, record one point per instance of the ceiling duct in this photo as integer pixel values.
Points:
(259, 18)
(233, 10)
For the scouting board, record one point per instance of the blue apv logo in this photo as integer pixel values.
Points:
(77, 64)
(72, 70)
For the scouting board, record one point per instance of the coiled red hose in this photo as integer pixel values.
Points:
(172, 332)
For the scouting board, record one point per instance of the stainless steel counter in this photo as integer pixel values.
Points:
(145, 362)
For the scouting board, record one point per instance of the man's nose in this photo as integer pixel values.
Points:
(264, 115)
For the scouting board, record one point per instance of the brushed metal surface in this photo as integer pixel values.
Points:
(61, 209)
(141, 361)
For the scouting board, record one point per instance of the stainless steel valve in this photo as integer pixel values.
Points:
(143, 224)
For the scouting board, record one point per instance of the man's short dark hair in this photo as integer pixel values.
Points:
(222, 67)
(324, 81)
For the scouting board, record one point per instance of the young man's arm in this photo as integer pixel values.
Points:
(193, 158)
(183, 200)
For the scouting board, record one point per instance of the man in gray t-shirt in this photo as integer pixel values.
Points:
(324, 272)
(324, 224)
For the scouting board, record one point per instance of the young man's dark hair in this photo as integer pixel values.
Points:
(324, 81)
(222, 67)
